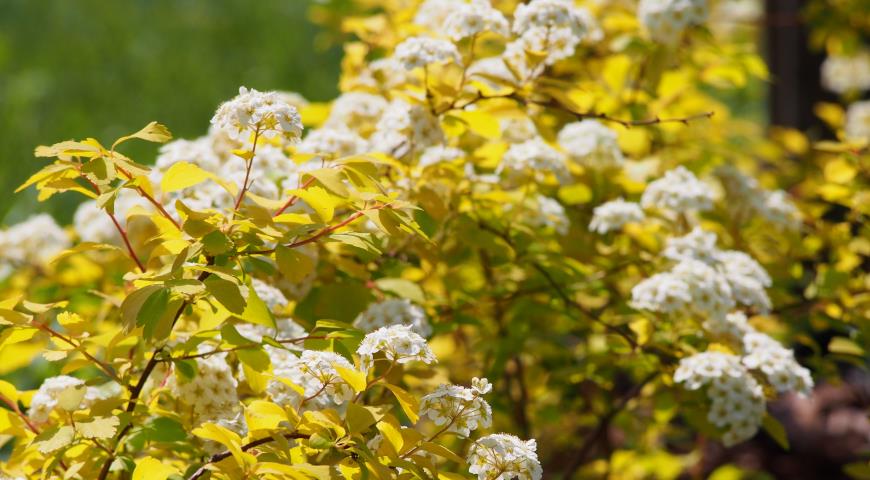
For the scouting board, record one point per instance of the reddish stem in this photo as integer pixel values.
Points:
(294, 198)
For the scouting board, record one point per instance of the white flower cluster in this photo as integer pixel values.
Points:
(690, 287)
(554, 27)
(776, 362)
(34, 241)
(665, 20)
(536, 158)
(501, 456)
(421, 51)
(591, 144)
(394, 312)
(354, 109)
(737, 399)
(398, 343)
(438, 154)
(314, 372)
(461, 409)
(47, 397)
(405, 127)
(333, 142)
(679, 190)
(211, 393)
(745, 193)
(706, 281)
(858, 120)
(549, 213)
(614, 215)
(265, 112)
(844, 74)
(475, 17)
(432, 14)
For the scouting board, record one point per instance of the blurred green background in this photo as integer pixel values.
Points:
(104, 68)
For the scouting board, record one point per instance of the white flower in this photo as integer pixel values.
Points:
(554, 27)
(334, 142)
(421, 51)
(34, 241)
(266, 112)
(777, 363)
(438, 154)
(737, 400)
(477, 16)
(199, 152)
(394, 312)
(271, 296)
(744, 193)
(536, 158)
(45, 399)
(698, 244)
(432, 14)
(665, 20)
(314, 372)
(747, 279)
(356, 111)
(398, 343)
(549, 213)
(677, 191)
(691, 286)
(614, 215)
(501, 456)
(776, 207)
(843, 74)
(405, 127)
(461, 409)
(858, 120)
(212, 391)
(591, 144)
(734, 324)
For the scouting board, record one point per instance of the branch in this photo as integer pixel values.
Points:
(294, 198)
(150, 198)
(14, 407)
(248, 167)
(248, 446)
(244, 347)
(78, 347)
(601, 428)
(600, 116)
(322, 232)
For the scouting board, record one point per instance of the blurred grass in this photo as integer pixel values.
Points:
(73, 69)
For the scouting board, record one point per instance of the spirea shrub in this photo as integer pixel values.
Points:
(518, 226)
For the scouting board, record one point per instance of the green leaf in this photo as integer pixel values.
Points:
(775, 430)
(360, 418)
(256, 311)
(845, 346)
(165, 429)
(227, 293)
(401, 287)
(131, 305)
(294, 266)
(153, 307)
(216, 243)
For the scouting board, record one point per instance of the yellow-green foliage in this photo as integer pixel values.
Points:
(452, 198)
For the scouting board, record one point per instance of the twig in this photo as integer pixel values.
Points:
(294, 198)
(248, 446)
(79, 348)
(14, 407)
(248, 167)
(601, 428)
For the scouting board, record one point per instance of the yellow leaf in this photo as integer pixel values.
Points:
(227, 438)
(320, 200)
(182, 175)
(51, 440)
(357, 380)
(263, 415)
(392, 434)
(99, 427)
(153, 132)
(70, 398)
(840, 171)
(150, 468)
(8, 390)
(407, 401)
(70, 320)
(480, 122)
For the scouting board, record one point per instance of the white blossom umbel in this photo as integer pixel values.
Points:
(534, 158)
(265, 112)
(333, 143)
(211, 393)
(313, 372)
(591, 144)
(679, 191)
(473, 18)
(777, 363)
(554, 27)
(459, 409)
(421, 51)
(665, 20)
(394, 311)
(398, 343)
(614, 215)
(736, 399)
(357, 111)
(501, 456)
(691, 287)
(404, 127)
(847, 73)
(45, 400)
(34, 241)
(745, 195)
(858, 120)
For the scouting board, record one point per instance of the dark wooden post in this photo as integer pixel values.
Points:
(795, 79)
